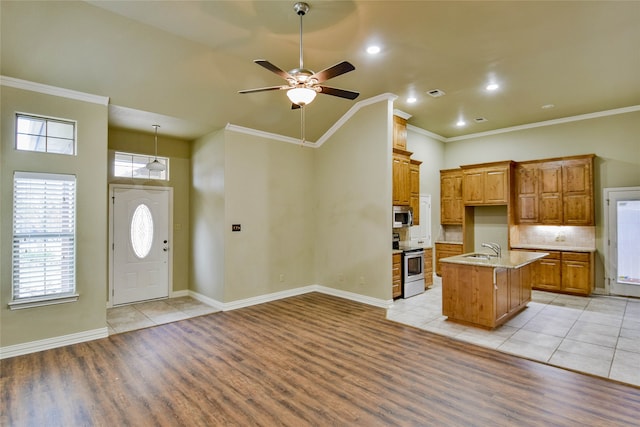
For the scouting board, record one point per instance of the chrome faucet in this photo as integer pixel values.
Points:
(494, 247)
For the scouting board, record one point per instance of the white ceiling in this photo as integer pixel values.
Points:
(181, 63)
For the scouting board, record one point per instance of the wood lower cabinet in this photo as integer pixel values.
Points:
(428, 267)
(451, 205)
(565, 272)
(444, 250)
(470, 294)
(396, 276)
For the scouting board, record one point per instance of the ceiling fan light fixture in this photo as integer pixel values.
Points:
(301, 95)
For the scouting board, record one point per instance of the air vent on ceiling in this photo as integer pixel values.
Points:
(480, 120)
(436, 93)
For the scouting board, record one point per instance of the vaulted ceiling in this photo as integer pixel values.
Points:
(181, 63)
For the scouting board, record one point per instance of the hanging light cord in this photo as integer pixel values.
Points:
(302, 130)
(156, 142)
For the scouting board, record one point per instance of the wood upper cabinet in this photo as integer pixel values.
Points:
(486, 184)
(577, 191)
(555, 192)
(550, 184)
(451, 206)
(399, 133)
(526, 183)
(401, 178)
(414, 185)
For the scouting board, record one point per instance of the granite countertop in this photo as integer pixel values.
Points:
(509, 259)
(553, 247)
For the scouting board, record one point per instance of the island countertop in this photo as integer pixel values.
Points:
(509, 259)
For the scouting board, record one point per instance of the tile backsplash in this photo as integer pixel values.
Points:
(552, 235)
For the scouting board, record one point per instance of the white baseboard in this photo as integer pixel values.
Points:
(260, 299)
(49, 343)
(179, 294)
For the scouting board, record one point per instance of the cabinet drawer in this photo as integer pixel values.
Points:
(552, 254)
(576, 256)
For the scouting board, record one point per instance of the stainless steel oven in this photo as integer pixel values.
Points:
(412, 272)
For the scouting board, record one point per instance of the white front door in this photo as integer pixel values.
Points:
(623, 229)
(140, 245)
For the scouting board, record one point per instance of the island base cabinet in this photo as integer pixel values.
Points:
(479, 296)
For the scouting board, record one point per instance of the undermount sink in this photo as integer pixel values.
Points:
(478, 256)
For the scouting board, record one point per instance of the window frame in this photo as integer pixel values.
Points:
(25, 229)
(46, 136)
(149, 158)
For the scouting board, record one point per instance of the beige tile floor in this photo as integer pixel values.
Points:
(150, 313)
(599, 335)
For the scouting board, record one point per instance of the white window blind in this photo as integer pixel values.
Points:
(44, 218)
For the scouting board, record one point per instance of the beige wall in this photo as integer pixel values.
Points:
(353, 181)
(615, 140)
(207, 212)
(179, 153)
(90, 168)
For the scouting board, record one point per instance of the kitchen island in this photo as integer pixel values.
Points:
(484, 290)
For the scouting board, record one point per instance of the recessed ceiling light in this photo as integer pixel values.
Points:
(411, 100)
(461, 123)
(493, 86)
(547, 106)
(372, 50)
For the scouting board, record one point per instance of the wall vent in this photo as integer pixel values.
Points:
(436, 93)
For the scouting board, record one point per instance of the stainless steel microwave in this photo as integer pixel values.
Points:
(402, 216)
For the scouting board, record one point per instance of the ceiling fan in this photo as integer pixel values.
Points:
(303, 84)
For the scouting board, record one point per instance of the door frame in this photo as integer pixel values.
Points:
(609, 266)
(112, 188)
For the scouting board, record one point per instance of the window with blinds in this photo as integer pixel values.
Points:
(44, 228)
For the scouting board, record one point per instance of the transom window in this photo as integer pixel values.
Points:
(44, 230)
(130, 165)
(45, 135)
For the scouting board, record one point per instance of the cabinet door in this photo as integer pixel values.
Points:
(496, 186)
(473, 187)
(428, 267)
(548, 273)
(399, 133)
(526, 281)
(451, 206)
(527, 194)
(414, 198)
(502, 293)
(577, 192)
(401, 183)
(550, 183)
(397, 276)
(576, 273)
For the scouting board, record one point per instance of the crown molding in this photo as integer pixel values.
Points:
(267, 135)
(53, 90)
(402, 114)
(426, 133)
(553, 122)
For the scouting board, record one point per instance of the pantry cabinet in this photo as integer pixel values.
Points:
(451, 205)
(555, 192)
(486, 184)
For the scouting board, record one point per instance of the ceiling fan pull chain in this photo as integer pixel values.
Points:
(302, 126)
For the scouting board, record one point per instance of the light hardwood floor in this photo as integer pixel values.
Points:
(307, 360)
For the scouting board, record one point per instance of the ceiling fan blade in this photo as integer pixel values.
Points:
(269, 66)
(333, 71)
(263, 89)
(338, 92)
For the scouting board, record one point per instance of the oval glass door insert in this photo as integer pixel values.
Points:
(141, 231)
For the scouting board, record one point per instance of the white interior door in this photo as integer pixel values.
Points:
(623, 229)
(140, 233)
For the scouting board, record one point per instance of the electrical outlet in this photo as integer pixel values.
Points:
(281, 277)
(340, 278)
(362, 280)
